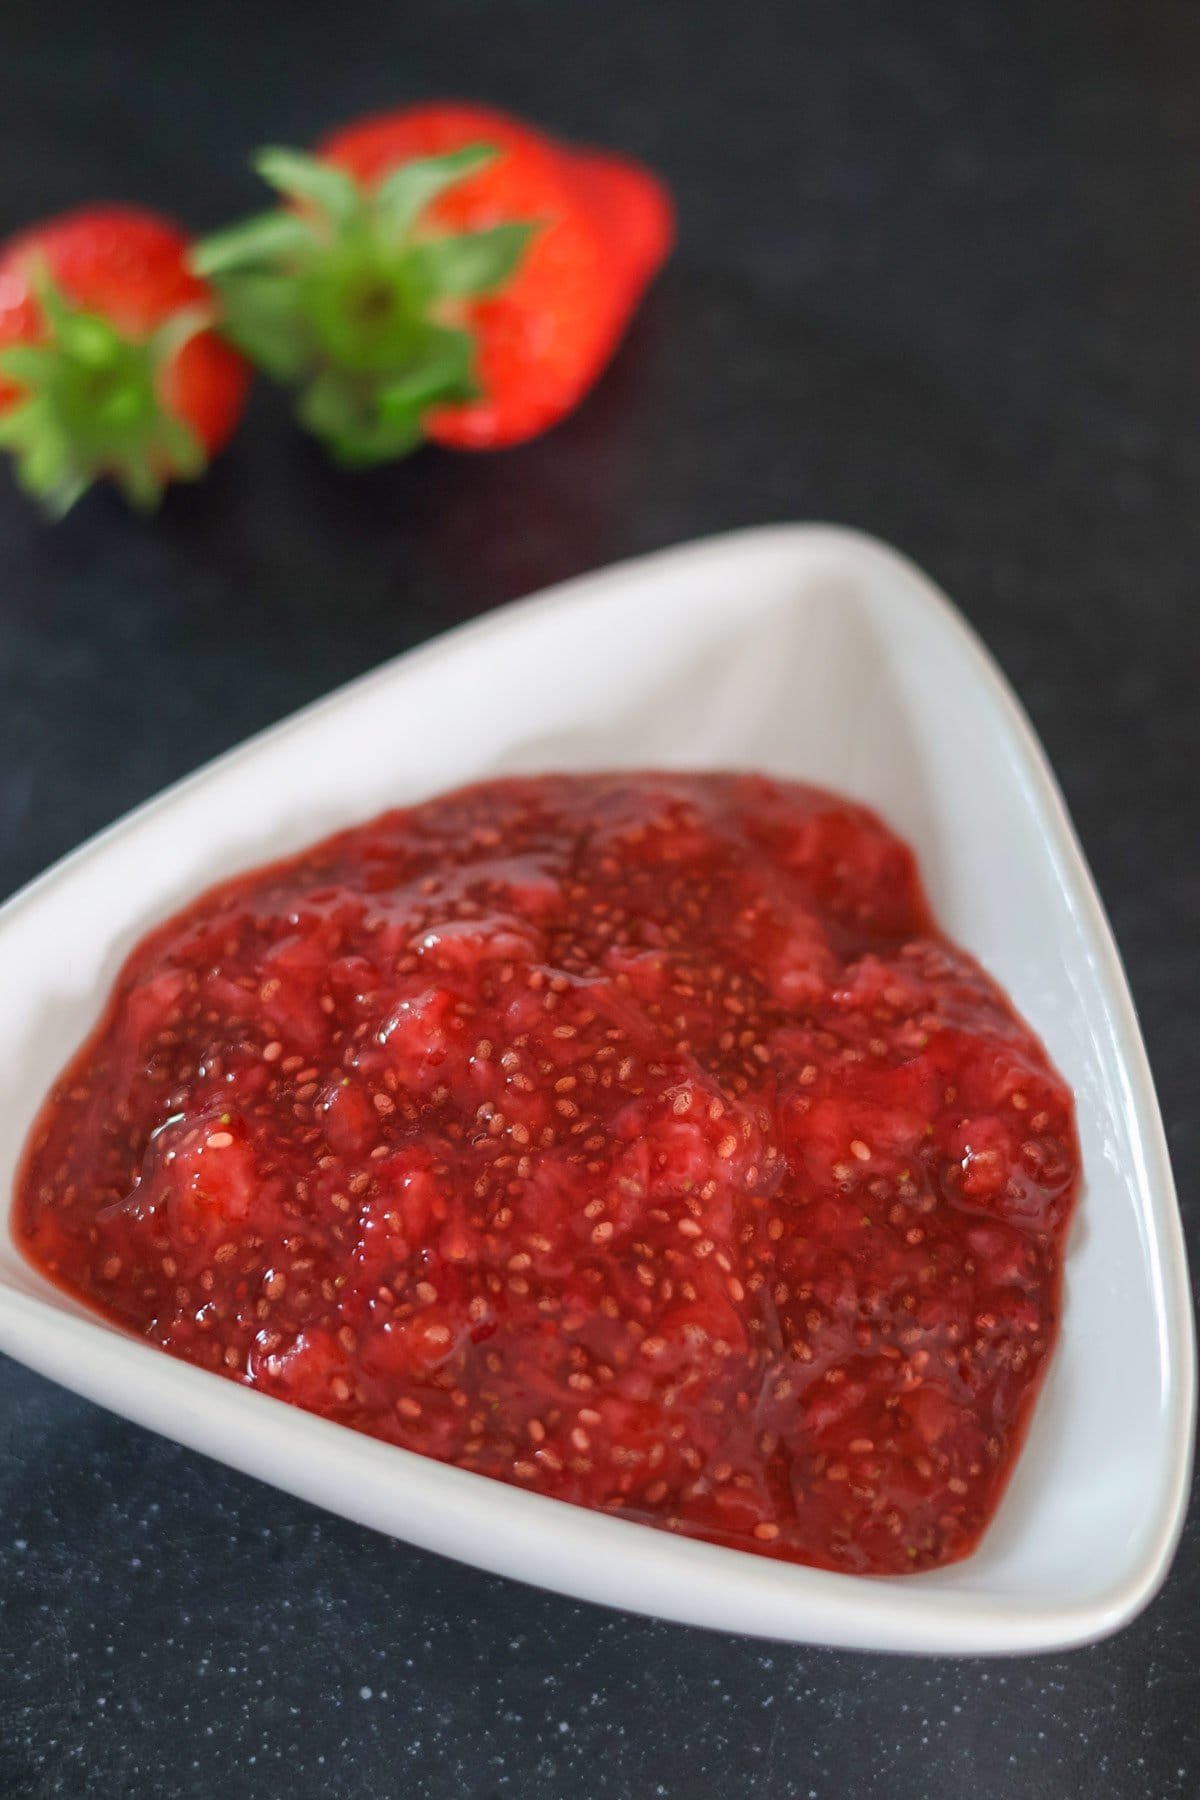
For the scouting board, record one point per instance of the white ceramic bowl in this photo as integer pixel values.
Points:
(813, 653)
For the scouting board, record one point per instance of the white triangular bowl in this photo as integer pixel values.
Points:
(810, 652)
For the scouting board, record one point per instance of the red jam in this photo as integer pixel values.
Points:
(635, 1139)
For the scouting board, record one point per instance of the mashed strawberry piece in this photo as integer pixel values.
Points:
(635, 1139)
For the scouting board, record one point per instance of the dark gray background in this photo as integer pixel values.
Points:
(939, 277)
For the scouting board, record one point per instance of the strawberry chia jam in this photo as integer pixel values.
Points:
(635, 1139)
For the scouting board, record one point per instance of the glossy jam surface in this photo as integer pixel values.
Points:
(635, 1139)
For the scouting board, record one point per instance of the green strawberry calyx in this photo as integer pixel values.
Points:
(348, 295)
(91, 403)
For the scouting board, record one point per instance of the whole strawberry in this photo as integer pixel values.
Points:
(108, 363)
(442, 272)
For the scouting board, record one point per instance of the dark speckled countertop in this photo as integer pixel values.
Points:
(939, 277)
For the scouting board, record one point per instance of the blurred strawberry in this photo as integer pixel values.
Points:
(443, 272)
(108, 363)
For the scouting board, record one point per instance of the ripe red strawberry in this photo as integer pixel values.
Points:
(443, 272)
(107, 363)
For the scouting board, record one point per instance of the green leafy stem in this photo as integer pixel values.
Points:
(347, 295)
